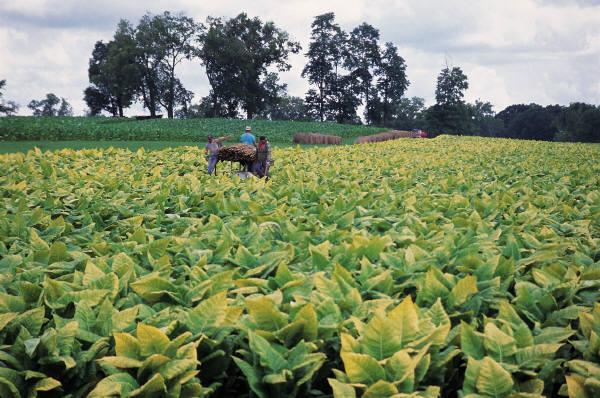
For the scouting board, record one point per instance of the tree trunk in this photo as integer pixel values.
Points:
(171, 98)
(120, 106)
(385, 109)
(367, 104)
(215, 106)
(321, 100)
(152, 102)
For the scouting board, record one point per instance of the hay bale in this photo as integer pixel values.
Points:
(241, 153)
(388, 135)
(316, 139)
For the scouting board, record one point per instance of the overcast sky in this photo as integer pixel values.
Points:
(513, 51)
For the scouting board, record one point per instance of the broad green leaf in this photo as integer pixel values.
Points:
(406, 319)
(119, 384)
(498, 344)
(381, 337)
(381, 389)
(341, 390)
(462, 290)
(153, 386)
(471, 342)
(151, 340)
(264, 313)
(362, 368)
(252, 377)
(493, 380)
(127, 346)
(269, 356)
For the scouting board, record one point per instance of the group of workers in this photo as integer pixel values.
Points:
(263, 153)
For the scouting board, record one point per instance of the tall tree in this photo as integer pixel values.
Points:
(408, 113)
(122, 66)
(362, 60)
(252, 47)
(98, 101)
(391, 79)
(450, 115)
(99, 96)
(163, 42)
(344, 99)
(150, 56)
(8, 107)
(113, 73)
(323, 51)
(483, 121)
(451, 86)
(52, 105)
(220, 58)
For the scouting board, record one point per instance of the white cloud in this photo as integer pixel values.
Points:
(544, 51)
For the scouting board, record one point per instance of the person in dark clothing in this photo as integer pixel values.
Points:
(263, 157)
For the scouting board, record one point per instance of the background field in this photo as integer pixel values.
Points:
(428, 267)
(193, 130)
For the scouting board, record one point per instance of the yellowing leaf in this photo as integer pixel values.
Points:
(362, 368)
(152, 340)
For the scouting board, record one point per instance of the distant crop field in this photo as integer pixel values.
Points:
(450, 267)
(22, 128)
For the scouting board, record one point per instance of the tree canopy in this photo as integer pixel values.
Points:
(7, 107)
(52, 105)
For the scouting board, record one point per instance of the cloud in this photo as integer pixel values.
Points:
(544, 51)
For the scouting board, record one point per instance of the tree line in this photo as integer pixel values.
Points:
(347, 72)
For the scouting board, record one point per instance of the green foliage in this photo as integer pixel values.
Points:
(66, 129)
(51, 106)
(417, 268)
(6, 107)
(238, 54)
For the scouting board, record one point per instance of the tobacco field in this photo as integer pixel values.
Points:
(450, 267)
(20, 128)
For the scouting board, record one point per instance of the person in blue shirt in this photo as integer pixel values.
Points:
(248, 138)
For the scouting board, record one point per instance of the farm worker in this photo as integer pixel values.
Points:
(212, 153)
(248, 138)
(263, 157)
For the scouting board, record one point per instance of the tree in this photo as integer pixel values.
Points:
(323, 51)
(451, 85)
(580, 122)
(238, 54)
(534, 123)
(343, 99)
(483, 121)
(511, 111)
(363, 57)
(163, 42)
(220, 58)
(168, 39)
(97, 101)
(391, 80)
(122, 66)
(9, 107)
(408, 114)
(98, 96)
(287, 108)
(449, 119)
(450, 115)
(113, 73)
(52, 105)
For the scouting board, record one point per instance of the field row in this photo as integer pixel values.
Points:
(111, 129)
(414, 268)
